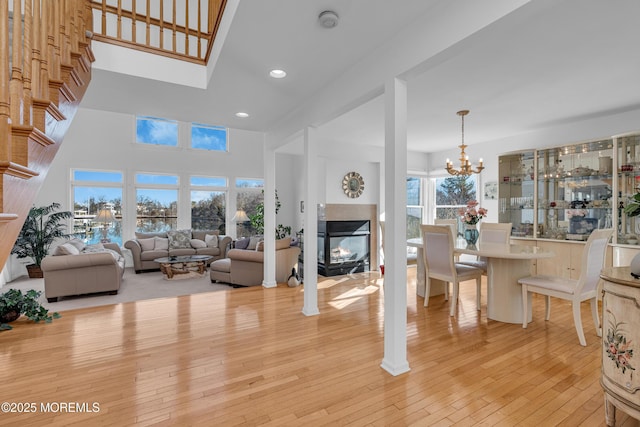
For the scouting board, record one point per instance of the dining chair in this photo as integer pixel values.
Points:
(576, 291)
(494, 233)
(440, 265)
(453, 223)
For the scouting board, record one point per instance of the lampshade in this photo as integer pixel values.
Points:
(104, 215)
(240, 216)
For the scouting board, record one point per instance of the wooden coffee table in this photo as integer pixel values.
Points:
(183, 264)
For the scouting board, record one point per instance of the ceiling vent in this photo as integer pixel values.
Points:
(328, 19)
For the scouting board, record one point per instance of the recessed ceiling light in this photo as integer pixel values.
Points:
(242, 114)
(278, 74)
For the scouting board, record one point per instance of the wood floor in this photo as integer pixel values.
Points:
(248, 357)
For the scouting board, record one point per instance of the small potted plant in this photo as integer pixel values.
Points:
(41, 228)
(14, 303)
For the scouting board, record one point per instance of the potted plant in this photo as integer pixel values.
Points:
(14, 303)
(257, 220)
(41, 228)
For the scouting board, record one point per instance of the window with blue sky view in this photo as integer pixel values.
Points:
(155, 131)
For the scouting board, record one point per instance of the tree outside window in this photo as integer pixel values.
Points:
(452, 193)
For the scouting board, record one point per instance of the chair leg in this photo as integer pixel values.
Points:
(525, 304)
(578, 322)
(427, 291)
(547, 307)
(594, 313)
(454, 299)
(478, 290)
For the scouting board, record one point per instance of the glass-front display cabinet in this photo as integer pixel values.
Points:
(516, 192)
(575, 190)
(628, 227)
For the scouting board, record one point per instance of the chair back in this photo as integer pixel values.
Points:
(593, 260)
(438, 251)
(493, 232)
(453, 223)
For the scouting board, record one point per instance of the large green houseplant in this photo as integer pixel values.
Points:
(257, 220)
(41, 228)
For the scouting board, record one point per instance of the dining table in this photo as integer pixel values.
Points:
(506, 263)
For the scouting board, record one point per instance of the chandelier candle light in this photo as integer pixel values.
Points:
(465, 165)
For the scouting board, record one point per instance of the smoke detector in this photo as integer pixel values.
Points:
(328, 19)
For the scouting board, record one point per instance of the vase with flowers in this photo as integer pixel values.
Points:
(471, 216)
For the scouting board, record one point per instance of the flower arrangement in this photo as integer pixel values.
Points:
(472, 214)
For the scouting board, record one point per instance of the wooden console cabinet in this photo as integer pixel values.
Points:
(620, 340)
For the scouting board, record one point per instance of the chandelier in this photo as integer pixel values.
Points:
(465, 166)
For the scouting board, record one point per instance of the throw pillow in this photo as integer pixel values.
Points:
(242, 243)
(99, 249)
(162, 243)
(260, 246)
(179, 239)
(79, 244)
(283, 243)
(147, 244)
(96, 247)
(197, 244)
(211, 240)
(253, 243)
(67, 249)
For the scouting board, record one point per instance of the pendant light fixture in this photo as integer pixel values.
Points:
(465, 165)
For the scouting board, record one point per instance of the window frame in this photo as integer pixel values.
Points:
(75, 183)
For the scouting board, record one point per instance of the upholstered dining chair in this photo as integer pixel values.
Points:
(576, 291)
(490, 232)
(453, 223)
(440, 265)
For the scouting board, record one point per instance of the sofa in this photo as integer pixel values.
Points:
(148, 246)
(244, 265)
(74, 268)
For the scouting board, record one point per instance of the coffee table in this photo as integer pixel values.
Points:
(171, 265)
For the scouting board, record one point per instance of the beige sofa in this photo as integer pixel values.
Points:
(149, 246)
(85, 270)
(245, 267)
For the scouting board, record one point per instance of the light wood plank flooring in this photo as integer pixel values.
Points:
(248, 357)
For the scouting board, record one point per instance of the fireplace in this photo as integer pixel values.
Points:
(343, 247)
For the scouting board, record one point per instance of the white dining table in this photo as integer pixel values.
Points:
(505, 265)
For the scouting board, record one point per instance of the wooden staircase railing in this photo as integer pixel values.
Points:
(45, 69)
(179, 29)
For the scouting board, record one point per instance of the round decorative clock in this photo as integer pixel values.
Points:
(353, 185)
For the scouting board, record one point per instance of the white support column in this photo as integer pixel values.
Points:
(395, 243)
(310, 272)
(269, 267)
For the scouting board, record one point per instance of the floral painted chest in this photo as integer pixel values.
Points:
(620, 339)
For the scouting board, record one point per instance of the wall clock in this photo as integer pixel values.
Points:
(353, 185)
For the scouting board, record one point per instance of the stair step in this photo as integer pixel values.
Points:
(17, 170)
(6, 217)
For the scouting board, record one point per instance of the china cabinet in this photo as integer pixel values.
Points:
(575, 194)
(628, 183)
(516, 192)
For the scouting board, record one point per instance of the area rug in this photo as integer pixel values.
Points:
(135, 287)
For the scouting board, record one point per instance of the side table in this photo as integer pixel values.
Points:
(620, 338)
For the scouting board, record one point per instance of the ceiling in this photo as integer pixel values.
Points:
(548, 63)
